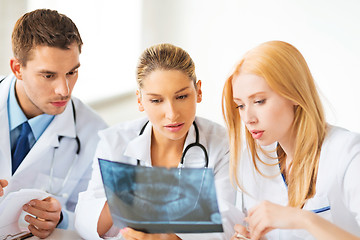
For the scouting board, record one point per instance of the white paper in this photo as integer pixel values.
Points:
(11, 206)
(231, 215)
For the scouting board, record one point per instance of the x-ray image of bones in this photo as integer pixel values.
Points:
(159, 195)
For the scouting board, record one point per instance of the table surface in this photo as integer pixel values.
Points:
(61, 234)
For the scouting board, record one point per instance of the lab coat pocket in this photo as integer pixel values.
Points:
(320, 205)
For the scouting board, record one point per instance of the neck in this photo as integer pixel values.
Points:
(288, 146)
(166, 152)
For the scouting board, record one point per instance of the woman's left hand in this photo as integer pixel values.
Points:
(268, 216)
(131, 234)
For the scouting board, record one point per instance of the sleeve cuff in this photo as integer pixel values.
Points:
(64, 221)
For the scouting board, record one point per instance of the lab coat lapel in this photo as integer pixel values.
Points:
(140, 146)
(62, 125)
(5, 153)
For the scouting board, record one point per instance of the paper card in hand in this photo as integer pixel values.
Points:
(161, 200)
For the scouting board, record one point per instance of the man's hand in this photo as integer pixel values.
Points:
(3, 183)
(47, 214)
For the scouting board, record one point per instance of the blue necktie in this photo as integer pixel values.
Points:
(22, 146)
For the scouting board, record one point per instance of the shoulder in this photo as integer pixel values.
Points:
(341, 139)
(86, 117)
(341, 147)
(213, 136)
(210, 128)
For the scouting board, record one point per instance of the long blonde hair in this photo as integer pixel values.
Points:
(286, 72)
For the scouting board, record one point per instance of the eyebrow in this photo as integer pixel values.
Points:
(50, 72)
(77, 66)
(154, 94)
(251, 96)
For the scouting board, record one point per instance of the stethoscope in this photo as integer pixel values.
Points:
(66, 179)
(194, 144)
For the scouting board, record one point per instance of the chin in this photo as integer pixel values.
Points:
(265, 143)
(55, 111)
(177, 136)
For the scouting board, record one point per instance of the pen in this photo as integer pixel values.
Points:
(18, 236)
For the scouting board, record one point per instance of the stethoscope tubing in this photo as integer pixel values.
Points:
(68, 174)
(194, 144)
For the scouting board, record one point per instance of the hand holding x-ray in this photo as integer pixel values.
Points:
(161, 200)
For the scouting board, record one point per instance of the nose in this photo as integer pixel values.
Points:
(249, 116)
(62, 87)
(171, 111)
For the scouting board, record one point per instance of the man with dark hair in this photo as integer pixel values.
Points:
(48, 137)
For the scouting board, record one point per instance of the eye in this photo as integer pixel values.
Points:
(260, 101)
(241, 106)
(72, 72)
(48, 76)
(155, 100)
(182, 97)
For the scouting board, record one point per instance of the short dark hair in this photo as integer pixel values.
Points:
(43, 27)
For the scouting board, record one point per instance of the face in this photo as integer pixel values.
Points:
(266, 115)
(45, 84)
(169, 99)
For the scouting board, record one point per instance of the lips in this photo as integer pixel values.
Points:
(256, 134)
(59, 103)
(175, 127)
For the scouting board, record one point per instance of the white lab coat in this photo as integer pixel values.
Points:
(122, 143)
(337, 186)
(34, 170)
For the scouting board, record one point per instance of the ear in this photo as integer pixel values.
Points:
(16, 68)
(141, 107)
(198, 91)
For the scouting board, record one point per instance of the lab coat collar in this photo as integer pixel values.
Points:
(5, 154)
(140, 147)
(144, 154)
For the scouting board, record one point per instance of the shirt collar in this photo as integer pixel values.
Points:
(16, 116)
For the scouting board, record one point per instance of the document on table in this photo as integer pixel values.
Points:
(161, 200)
(11, 208)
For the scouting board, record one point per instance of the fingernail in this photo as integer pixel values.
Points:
(32, 203)
(27, 218)
(25, 207)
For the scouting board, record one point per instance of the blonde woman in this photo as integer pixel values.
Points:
(168, 93)
(299, 175)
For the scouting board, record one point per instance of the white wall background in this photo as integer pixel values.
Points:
(216, 33)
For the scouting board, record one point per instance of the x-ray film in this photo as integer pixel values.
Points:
(161, 200)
